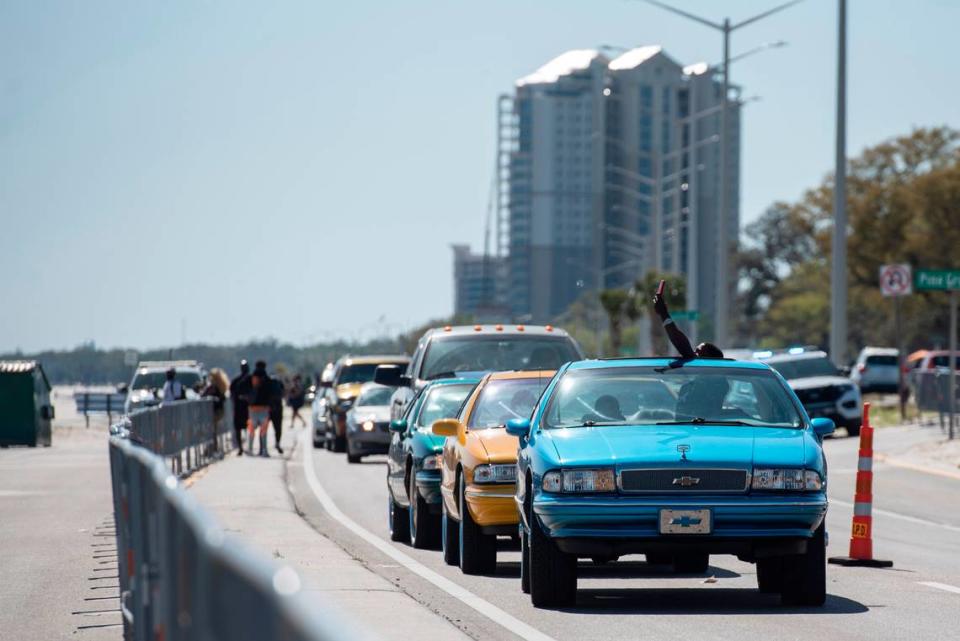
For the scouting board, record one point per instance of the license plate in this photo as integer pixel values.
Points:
(685, 522)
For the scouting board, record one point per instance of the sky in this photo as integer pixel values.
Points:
(219, 171)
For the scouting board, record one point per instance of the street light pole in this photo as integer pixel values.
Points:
(722, 320)
(838, 269)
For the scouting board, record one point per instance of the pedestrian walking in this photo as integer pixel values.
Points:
(276, 409)
(217, 386)
(240, 398)
(297, 399)
(260, 393)
(173, 389)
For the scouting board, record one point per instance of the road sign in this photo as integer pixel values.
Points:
(895, 280)
(942, 279)
(687, 314)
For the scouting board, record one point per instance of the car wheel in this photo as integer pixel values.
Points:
(317, 443)
(424, 528)
(524, 561)
(449, 534)
(478, 551)
(659, 559)
(553, 574)
(805, 575)
(691, 563)
(396, 520)
(351, 456)
(770, 575)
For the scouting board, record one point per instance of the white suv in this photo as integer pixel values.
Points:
(147, 384)
(876, 370)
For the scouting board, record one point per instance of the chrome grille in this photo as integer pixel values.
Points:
(683, 480)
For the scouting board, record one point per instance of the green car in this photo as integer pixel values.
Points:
(413, 464)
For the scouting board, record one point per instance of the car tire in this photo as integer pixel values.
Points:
(317, 443)
(449, 535)
(853, 430)
(424, 528)
(770, 575)
(397, 520)
(553, 573)
(691, 563)
(478, 551)
(805, 575)
(659, 559)
(524, 561)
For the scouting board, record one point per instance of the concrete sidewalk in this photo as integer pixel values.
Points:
(249, 497)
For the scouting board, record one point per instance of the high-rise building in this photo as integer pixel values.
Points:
(479, 285)
(614, 172)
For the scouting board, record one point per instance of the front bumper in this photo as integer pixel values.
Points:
(428, 485)
(741, 525)
(492, 505)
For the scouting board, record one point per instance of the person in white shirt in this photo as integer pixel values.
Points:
(172, 389)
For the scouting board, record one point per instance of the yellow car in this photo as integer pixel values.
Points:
(479, 468)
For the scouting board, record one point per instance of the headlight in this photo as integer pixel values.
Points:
(574, 481)
(367, 426)
(786, 479)
(495, 473)
(433, 461)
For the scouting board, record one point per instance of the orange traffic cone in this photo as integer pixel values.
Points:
(861, 538)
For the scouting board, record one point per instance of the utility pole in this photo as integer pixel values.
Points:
(838, 269)
(723, 286)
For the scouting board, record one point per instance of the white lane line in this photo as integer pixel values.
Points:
(470, 599)
(940, 586)
(902, 517)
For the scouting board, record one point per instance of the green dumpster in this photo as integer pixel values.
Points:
(25, 409)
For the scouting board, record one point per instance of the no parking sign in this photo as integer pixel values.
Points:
(896, 280)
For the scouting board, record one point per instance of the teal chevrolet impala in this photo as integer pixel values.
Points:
(675, 459)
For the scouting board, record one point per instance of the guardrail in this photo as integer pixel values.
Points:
(108, 403)
(931, 389)
(190, 433)
(181, 577)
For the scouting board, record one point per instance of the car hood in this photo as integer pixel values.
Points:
(377, 413)
(656, 445)
(348, 390)
(811, 382)
(498, 446)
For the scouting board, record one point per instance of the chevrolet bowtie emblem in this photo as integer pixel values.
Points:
(683, 449)
(686, 481)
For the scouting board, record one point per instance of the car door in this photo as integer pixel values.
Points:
(397, 453)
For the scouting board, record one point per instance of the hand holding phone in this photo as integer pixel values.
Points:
(660, 287)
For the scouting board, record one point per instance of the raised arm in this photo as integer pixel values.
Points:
(674, 333)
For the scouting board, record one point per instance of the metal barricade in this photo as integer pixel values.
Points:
(188, 433)
(932, 393)
(183, 579)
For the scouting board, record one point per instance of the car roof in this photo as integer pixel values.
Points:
(803, 356)
(488, 330)
(663, 361)
(371, 359)
(514, 375)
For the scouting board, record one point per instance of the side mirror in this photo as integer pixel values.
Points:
(398, 425)
(823, 426)
(391, 376)
(519, 427)
(446, 427)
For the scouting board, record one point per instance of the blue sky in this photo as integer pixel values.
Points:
(299, 169)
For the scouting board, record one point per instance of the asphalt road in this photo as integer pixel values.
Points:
(58, 564)
(916, 521)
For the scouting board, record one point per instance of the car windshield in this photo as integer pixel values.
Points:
(666, 395)
(447, 356)
(378, 395)
(156, 380)
(502, 400)
(443, 401)
(359, 372)
(805, 368)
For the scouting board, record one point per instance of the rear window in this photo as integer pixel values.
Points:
(882, 360)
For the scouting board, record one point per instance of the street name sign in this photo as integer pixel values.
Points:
(895, 280)
(687, 314)
(937, 279)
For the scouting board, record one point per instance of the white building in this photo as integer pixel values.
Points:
(614, 172)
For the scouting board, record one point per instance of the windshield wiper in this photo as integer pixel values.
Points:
(702, 421)
(589, 423)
